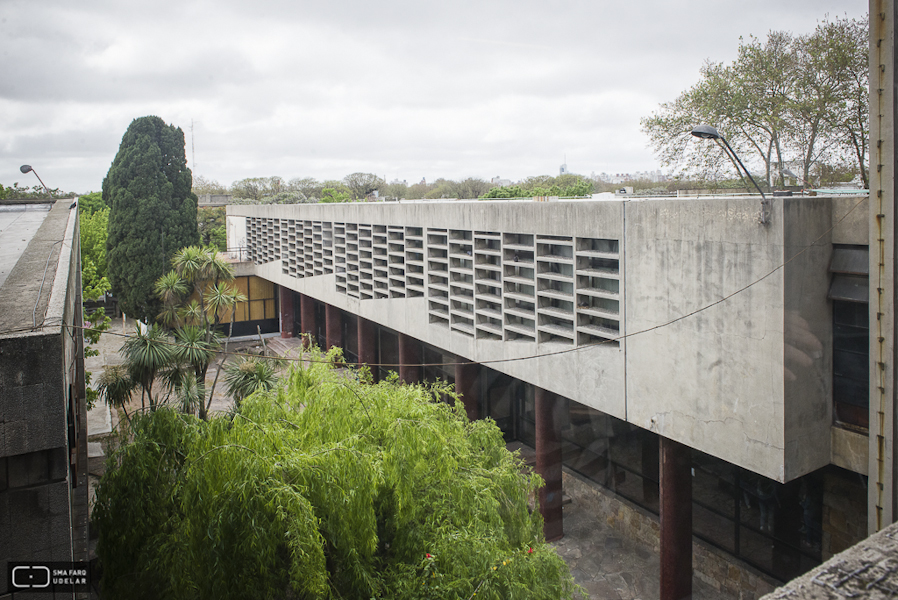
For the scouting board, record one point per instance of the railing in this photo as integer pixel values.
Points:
(238, 253)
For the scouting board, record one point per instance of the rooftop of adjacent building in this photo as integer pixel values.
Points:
(866, 570)
(32, 236)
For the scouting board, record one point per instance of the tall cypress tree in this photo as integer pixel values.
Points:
(153, 212)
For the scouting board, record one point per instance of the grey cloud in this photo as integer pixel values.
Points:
(403, 88)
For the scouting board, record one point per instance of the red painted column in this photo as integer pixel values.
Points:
(307, 319)
(409, 359)
(676, 520)
(367, 345)
(333, 326)
(548, 463)
(466, 384)
(287, 317)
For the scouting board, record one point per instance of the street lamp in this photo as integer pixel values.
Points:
(29, 169)
(706, 132)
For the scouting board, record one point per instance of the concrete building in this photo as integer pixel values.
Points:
(604, 333)
(43, 419)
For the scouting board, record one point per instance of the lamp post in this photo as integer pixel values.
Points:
(706, 132)
(29, 169)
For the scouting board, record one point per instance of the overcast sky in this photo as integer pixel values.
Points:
(402, 88)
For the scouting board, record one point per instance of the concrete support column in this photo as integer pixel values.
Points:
(676, 520)
(367, 344)
(409, 359)
(466, 384)
(548, 463)
(307, 319)
(287, 318)
(333, 326)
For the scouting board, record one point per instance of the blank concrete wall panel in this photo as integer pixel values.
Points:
(32, 400)
(712, 381)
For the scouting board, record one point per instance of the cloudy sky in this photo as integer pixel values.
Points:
(405, 89)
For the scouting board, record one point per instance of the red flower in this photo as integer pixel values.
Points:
(529, 550)
(428, 555)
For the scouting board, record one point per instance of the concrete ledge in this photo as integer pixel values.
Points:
(866, 570)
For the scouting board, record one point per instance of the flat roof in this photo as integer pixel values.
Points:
(31, 242)
(18, 224)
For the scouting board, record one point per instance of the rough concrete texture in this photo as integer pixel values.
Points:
(31, 279)
(807, 335)
(850, 450)
(18, 223)
(32, 399)
(868, 570)
(850, 220)
(721, 378)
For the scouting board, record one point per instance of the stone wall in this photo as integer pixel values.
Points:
(844, 511)
(722, 572)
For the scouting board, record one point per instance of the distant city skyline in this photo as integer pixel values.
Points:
(401, 89)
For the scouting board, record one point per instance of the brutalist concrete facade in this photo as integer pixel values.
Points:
(685, 318)
(43, 424)
(617, 301)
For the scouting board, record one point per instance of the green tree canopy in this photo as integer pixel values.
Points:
(90, 203)
(362, 184)
(331, 195)
(565, 186)
(325, 488)
(93, 253)
(788, 100)
(257, 188)
(211, 223)
(153, 211)
(202, 185)
(197, 295)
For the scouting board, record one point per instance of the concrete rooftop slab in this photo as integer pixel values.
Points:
(18, 224)
(26, 289)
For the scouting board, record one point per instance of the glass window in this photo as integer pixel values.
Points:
(242, 285)
(502, 397)
(260, 288)
(851, 336)
(350, 334)
(389, 353)
(851, 364)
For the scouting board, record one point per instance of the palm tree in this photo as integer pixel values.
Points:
(115, 386)
(170, 289)
(145, 355)
(250, 375)
(193, 349)
(197, 296)
(180, 381)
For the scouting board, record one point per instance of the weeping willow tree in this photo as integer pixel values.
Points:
(328, 487)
